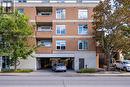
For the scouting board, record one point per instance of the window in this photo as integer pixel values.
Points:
(82, 29)
(60, 30)
(83, 14)
(21, 10)
(60, 44)
(46, 43)
(22, 1)
(60, 14)
(82, 45)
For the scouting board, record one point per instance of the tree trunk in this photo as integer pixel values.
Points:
(109, 61)
(15, 64)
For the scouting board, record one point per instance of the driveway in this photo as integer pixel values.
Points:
(49, 72)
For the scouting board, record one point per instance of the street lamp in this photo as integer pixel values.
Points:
(7, 6)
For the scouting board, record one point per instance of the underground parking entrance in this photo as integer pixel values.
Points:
(47, 63)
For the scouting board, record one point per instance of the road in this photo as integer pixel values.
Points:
(55, 81)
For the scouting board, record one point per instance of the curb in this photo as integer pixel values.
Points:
(64, 75)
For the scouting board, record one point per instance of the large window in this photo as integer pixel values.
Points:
(83, 14)
(82, 44)
(45, 43)
(60, 30)
(60, 44)
(60, 14)
(82, 29)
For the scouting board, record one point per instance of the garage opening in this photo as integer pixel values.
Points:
(47, 63)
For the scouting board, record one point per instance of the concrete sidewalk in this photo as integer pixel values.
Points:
(67, 74)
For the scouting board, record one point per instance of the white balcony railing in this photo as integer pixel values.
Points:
(44, 13)
(44, 28)
(57, 1)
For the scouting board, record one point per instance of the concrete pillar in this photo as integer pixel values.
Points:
(0, 63)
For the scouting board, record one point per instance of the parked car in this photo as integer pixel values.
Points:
(123, 65)
(59, 67)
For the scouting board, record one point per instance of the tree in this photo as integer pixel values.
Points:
(14, 31)
(112, 18)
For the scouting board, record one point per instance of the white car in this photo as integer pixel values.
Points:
(59, 67)
(123, 65)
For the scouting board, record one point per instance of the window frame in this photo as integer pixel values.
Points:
(80, 14)
(61, 14)
(60, 43)
(83, 45)
(60, 29)
(82, 32)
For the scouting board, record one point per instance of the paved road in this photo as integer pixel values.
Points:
(55, 81)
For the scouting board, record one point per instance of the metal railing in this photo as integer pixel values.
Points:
(44, 28)
(44, 13)
(57, 1)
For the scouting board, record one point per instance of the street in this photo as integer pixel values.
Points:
(62, 81)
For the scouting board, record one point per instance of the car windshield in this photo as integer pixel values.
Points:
(60, 64)
(127, 62)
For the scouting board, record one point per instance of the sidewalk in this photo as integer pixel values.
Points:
(68, 74)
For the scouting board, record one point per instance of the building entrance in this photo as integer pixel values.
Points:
(47, 63)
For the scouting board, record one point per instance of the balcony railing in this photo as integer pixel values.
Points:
(45, 28)
(44, 13)
(57, 1)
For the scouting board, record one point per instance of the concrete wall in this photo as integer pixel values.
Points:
(29, 63)
(89, 59)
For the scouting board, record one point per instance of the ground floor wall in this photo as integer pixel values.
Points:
(29, 63)
(89, 58)
(81, 59)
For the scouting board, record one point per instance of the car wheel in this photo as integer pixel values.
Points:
(125, 69)
(116, 68)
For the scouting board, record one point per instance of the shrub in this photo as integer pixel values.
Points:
(7, 70)
(16, 71)
(88, 70)
(23, 70)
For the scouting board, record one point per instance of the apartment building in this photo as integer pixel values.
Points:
(63, 31)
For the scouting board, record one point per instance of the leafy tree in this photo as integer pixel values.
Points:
(112, 18)
(14, 31)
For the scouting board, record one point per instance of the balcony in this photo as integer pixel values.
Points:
(44, 30)
(45, 45)
(43, 34)
(44, 18)
(44, 14)
(44, 50)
